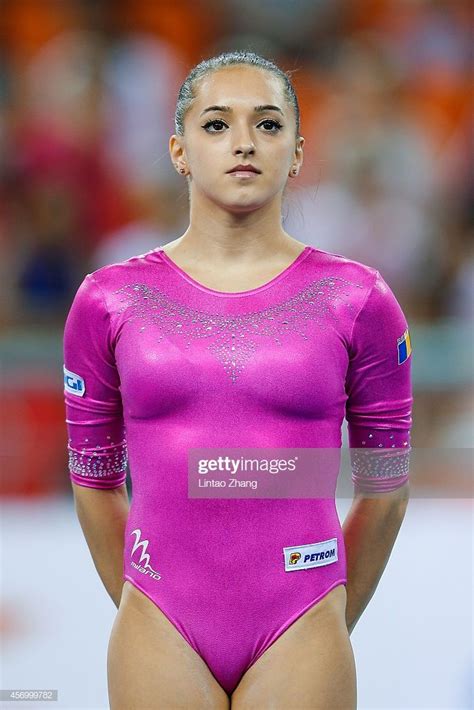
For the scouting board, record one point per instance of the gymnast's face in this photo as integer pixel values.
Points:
(216, 140)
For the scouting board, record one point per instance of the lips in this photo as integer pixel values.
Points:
(244, 168)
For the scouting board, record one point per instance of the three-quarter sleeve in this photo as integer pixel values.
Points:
(379, 393)
(94, 416)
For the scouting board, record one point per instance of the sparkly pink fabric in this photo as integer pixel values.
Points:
(158, 363)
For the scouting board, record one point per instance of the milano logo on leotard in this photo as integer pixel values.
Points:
(143, 565)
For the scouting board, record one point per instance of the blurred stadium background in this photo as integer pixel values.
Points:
(87, 96)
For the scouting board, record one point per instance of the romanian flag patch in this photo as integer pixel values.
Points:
(404, 347)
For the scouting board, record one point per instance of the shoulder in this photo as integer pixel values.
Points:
(112, 276)
(373, 300)
(341, 266)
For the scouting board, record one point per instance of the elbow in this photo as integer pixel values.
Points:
(84, 496)
(396, 498)
(402, 493)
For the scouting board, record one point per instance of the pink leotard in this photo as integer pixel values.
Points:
(156, 363)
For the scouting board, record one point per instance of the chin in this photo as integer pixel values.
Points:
(244, 206)
(239, 203)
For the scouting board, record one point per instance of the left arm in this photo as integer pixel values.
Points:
(370, 530)
(378, 411)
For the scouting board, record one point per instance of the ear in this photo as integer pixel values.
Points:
(299, 151)
(298, 159)
(177, 150)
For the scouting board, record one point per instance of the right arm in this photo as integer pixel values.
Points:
(103, 516)
(96, 434)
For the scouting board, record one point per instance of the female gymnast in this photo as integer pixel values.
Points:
(235, 335)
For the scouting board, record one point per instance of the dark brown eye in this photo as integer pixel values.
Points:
(275, 124)
(212, 123)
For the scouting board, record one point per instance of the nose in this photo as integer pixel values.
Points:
(244, 148)
(244, 144)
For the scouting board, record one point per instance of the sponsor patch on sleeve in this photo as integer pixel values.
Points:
(73, 383)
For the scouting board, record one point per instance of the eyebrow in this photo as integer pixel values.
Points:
(257, 109)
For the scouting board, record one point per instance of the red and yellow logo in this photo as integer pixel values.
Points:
(294, 557)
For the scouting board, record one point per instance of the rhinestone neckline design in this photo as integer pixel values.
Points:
(235, 338)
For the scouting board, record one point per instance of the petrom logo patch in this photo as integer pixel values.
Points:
(74, 384)
(315, 554)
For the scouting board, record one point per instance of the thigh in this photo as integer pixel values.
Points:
(311, 665)
(150, 666)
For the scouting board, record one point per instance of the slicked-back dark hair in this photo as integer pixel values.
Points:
(188, 90)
